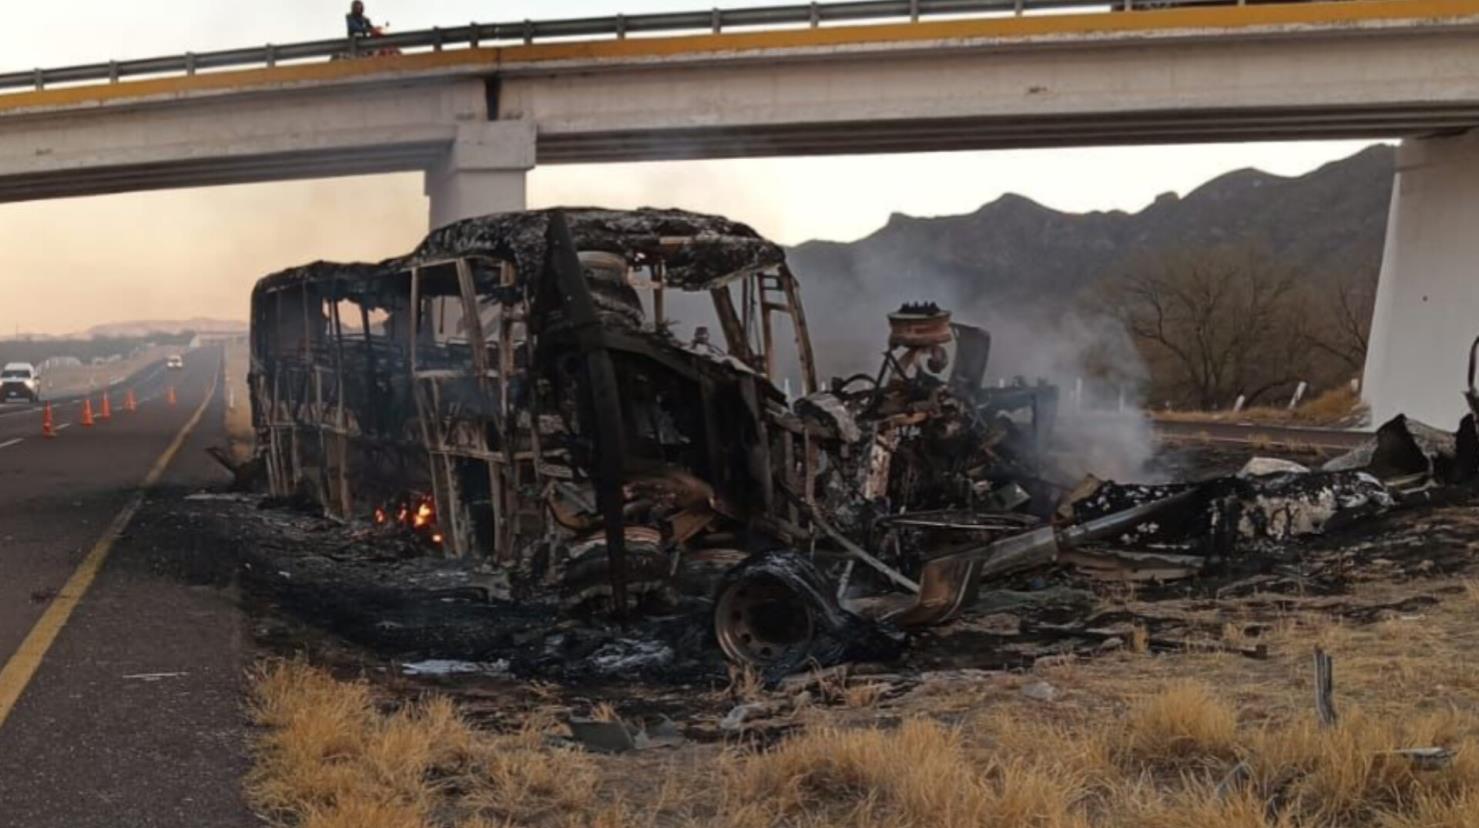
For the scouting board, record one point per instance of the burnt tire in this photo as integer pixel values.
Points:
(585, 586)
(779, 613)
(772, 609)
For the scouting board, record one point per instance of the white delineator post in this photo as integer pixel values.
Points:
(1298, 394)
(1427, 302)
(484, 172)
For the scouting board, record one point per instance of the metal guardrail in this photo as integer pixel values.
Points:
(531, 31)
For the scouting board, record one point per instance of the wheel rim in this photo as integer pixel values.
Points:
(760, 620)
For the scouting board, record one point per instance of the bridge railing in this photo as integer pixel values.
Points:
(532, 31)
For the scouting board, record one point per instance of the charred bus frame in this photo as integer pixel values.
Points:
(510, 367)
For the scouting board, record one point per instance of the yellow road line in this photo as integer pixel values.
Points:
(22, 666)
(491, 59)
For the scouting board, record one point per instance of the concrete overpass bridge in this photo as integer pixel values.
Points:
(476, 107)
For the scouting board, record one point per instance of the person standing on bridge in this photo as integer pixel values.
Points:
(359, 25)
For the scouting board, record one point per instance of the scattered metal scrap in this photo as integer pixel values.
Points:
(516, 388)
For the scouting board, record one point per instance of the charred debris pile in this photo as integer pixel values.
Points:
(512, 455)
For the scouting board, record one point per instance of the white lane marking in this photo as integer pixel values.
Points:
(151, 677)
(9, 443)
(38, 409)
(63, 426)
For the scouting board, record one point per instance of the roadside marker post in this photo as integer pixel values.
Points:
(129, 403)
(48, 428)
(107, 412)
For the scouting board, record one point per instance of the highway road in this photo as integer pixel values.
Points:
(21, 420)
(1326, 439)
(120, 681)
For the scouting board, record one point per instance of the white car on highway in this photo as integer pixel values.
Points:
(19, 379)
(175, 362)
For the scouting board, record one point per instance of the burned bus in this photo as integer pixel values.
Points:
(521, 388)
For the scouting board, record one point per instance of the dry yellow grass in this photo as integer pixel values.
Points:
(863, 694)
(328, 757)
(1129, 742)
(745, 683)
(1139, 639)
(1183, 722)
(920, 773)
(1436, 811)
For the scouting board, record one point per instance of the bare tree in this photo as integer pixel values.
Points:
(1214, 324)
(1345, 329)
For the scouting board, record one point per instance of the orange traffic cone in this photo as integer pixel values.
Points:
(48, 429)
(107, 412)
(171, 396)
(129, 403)
(87, 413)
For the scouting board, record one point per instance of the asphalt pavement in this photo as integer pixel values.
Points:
(133, 716)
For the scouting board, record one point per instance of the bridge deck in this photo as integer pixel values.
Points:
(1226, 20)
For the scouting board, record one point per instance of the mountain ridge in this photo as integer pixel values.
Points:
(1021, 268)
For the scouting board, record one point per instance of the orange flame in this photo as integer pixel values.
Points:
(415, 512)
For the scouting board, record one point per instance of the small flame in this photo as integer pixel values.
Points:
(415, 512)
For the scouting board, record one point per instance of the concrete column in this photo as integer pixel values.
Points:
(483, 173)
(1427, 303)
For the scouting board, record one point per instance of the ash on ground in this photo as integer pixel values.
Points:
(380, 600)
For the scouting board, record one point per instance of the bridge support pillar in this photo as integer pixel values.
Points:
(483, 173)
(1427, 302)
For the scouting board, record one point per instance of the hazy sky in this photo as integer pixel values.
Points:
(66, 265)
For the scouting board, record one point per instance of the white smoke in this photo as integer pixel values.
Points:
(1101, 428)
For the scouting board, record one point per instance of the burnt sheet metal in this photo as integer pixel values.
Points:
(777, 612)
(1412, 456)
(698, 251)
(950, 582)
(1237, 514)
(924, 435)
(349, 277)
(600, 397)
